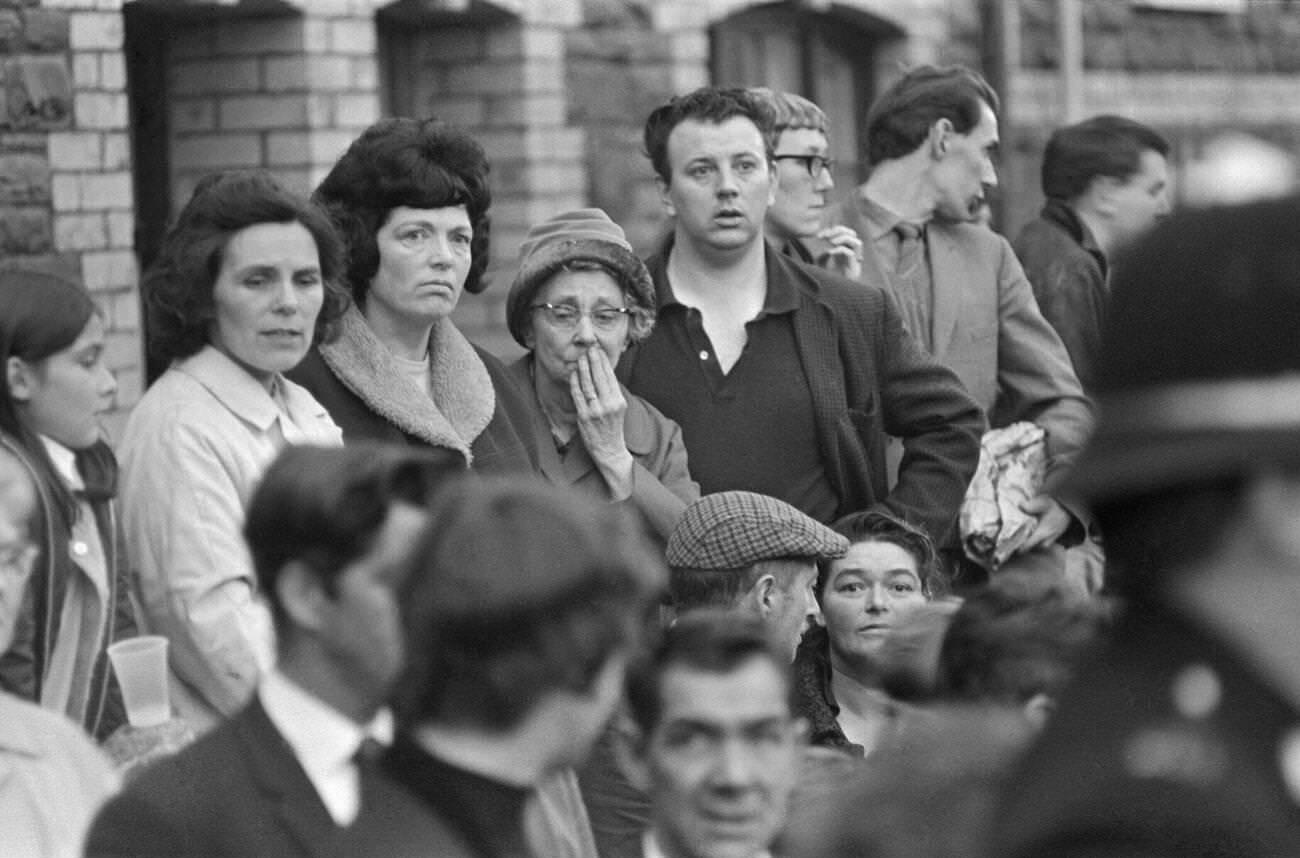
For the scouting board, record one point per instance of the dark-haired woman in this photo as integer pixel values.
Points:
(54, 388)
(869, 601)
(411, 199)
(245, 282)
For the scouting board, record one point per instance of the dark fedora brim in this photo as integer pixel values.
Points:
(1125, 464)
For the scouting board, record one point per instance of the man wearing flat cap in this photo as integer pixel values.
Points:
(732, 551)
(750, 552)
(1183, 739)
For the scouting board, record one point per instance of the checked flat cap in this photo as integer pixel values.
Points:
(733, 530)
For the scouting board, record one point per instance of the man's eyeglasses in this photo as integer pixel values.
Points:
(814, 164)
(566, 316)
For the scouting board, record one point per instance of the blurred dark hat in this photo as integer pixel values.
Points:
(734, 530)
(1199, 377)
(586, 235)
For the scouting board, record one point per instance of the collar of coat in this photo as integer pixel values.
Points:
(463, 400)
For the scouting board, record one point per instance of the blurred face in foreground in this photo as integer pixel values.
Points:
(722, 759)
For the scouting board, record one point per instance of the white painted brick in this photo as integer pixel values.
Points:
(123, 311)
(242, 112)
(327, 145)
(193, 114)
(75, 150)
(106, 191)
(73, 232)
(320, 110)
(356, 111)
(65, 192)
(102, 110)
(465, 110)
(208, 76)
(121, 228)
(117, 151)
(525, 41)
(85, 70)
(217, 151)
(288, 148)
(108, 269)
(112, 70)
(539, 109)
(365, 73)
(95, 31)
(352, 36)
(121, 349)
(315, 35)
(309, 71)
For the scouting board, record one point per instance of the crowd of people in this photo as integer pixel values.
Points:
(689, 579)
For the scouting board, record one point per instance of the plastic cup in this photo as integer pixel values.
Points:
(141, 667)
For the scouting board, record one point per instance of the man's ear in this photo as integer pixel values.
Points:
(1101, 193)
(631, 751)
(764, 594)
(301, 595)
(664, 198)
(937, 139)
(20, 378)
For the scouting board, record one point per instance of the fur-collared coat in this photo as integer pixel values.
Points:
(476, 408)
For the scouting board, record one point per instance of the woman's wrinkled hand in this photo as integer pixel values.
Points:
(600, 406)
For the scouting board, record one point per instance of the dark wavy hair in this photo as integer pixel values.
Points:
(872, 526)
(178, 286)
(706, 104)
(901, 118)
(418, 163)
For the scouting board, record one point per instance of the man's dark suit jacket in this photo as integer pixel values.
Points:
(240, 791)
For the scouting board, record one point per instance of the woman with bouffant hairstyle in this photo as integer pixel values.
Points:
(245, 282)
(411, 198)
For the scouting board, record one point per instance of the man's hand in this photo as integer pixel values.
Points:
(844, 256)
(1053, 521)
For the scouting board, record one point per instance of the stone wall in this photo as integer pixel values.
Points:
(65, 163)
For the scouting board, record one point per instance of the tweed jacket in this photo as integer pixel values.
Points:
(661, 484)
(1068, 273)
(1170, 744)
(239, 792)
(986, 326)
(477, 409)
(869, 380)
(24, 666)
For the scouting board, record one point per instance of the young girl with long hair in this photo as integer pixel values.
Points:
(54, 388)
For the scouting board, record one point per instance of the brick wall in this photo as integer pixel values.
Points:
(65, 163)
(288, 94)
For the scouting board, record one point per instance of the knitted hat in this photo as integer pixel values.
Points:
(584, 234)
(734, 530)
(1200, 371)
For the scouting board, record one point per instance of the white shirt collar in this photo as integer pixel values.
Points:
(323, 739)
(65, 463)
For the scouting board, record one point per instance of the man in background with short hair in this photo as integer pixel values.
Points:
(1106, 180)
(291, 774)
(804, 180)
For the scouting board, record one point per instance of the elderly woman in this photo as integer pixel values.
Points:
(244, 283)
(580, 297)
(878, 625)
(411, 198)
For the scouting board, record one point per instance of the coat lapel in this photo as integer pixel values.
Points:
(947, 277)
(285, 787)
